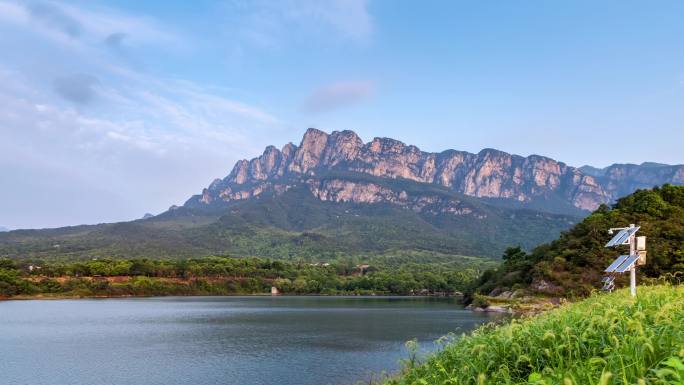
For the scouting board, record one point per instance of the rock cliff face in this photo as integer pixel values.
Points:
(487, 174)
(340, 190)
(623, 179)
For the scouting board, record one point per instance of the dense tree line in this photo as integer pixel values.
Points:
(225, 275)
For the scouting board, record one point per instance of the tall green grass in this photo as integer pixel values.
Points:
(605, 339)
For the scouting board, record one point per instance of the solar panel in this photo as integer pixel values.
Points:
(616, 239)
(627, 264)
(622, 236)
(616, 263)
(632, 230)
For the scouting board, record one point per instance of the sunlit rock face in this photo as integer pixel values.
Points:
(488, 174)
(340, 190)
(308, 155)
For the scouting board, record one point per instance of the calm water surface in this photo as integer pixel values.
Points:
(217, 340)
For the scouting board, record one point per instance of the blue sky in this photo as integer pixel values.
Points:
(109, 110)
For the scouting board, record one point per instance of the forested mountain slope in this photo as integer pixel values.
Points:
(574, 263)
(295, 224)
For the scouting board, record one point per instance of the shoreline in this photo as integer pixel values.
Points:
(69, 287)
(75, 297)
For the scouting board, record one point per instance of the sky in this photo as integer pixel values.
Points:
(110, 110)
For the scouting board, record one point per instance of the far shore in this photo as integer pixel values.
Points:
(39, 287)
(64, 296)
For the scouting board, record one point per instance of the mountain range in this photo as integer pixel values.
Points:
(335, 195)
(623, 179)
(323, 162)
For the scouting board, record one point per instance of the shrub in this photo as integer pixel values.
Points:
(606, 339)
(480, 301)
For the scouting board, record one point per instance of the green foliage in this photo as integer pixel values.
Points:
(297, 225)
(605, 339)
(479, 301)
(11, 284)
(388, 274)
(572, 265)
(7, 264)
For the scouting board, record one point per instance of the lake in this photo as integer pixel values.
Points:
(218, 340)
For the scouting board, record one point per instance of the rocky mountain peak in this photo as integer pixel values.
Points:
(215, 184)
(391, 146)
(490, 173)
(309, 152)
(288, 150)
(342, 146)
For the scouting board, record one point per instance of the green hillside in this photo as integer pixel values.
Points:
(297, 225)
(606, 339)
(572, 265)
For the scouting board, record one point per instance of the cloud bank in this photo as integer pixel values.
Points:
(92, 131)
(85, 137)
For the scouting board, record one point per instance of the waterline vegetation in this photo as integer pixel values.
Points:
(604, 339)
(230, 276)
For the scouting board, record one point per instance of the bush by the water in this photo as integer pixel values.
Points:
(605, 339)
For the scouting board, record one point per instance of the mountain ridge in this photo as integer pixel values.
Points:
(621, 179)
(490, 174)
(297, 224)
(335, 195)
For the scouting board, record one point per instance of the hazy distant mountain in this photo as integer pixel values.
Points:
(623, 179)
(147, 216)
(4, 229)
(334, 195)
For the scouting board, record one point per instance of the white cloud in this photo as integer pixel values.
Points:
(337, 95)
(13, 12)
(269, 23)
(81, 130)
(147, 150)
(66, 23)
(350, 17)
(85, 136)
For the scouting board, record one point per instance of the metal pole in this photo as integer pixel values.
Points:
(632, 271)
